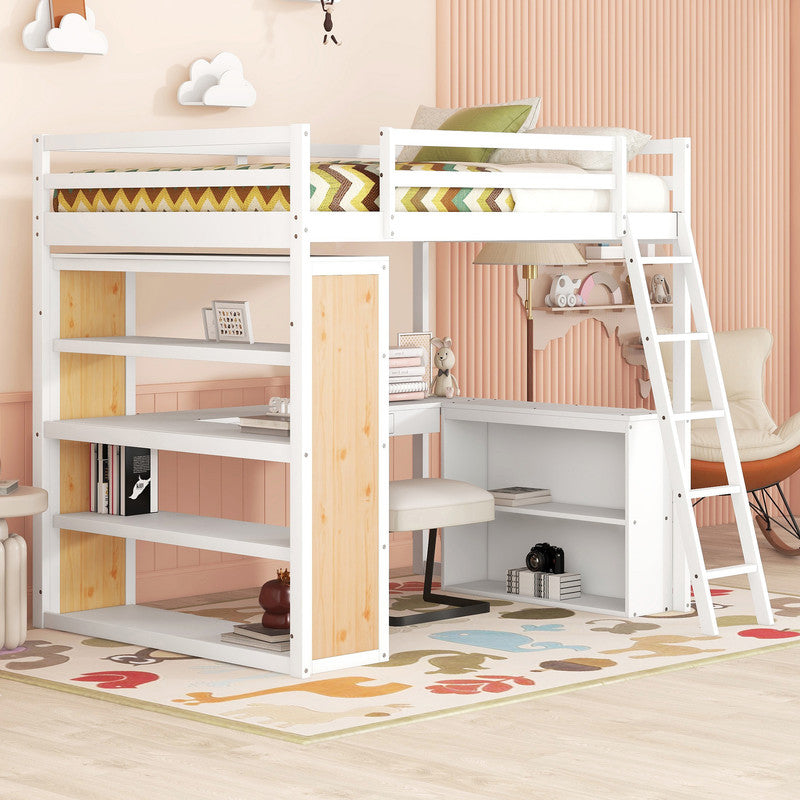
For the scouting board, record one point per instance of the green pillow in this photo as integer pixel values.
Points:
(494, 119)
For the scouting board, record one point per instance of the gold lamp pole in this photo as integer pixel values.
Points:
(530, 256)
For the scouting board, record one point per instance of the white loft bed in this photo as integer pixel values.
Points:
(169, 242)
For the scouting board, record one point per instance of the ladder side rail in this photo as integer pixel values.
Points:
(679, 476)
(727, 438)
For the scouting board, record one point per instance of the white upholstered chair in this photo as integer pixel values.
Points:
(431, 504)
(770, 453)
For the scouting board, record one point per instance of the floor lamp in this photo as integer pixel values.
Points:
(530, 256)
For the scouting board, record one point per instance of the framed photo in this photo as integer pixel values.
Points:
(209, 324)
(421, 339)
(233, 321)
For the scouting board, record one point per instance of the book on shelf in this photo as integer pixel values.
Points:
(407, 386)
(271, 424)
(405, 362)
(529, 501)
(257, 631)
(543, 585)
(393, 398)
(406, 352)
(124, 480)
(237, 638)
(519, 493)
(407, 372)
(8, 486)
(137, 480)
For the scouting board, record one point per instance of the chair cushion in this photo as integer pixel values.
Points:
(424, 503)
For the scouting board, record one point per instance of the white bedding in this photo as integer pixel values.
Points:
(645, 192)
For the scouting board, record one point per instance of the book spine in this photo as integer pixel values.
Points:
(406, 372)
(154, 481)
(408, 386)
(406, 352)
(122, 473)
(404, 362)
(93, 479)
(406, 396)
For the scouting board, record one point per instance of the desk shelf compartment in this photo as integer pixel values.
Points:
(174, 631)
(608, 510)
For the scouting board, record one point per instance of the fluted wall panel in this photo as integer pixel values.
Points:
(716, 71)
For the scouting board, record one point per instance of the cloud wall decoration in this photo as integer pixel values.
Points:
(219, 82)
(75, 34)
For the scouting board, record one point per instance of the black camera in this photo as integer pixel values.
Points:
(545, 557)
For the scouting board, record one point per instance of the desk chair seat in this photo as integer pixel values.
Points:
(431, 504)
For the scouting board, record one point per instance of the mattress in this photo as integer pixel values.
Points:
(355, 186)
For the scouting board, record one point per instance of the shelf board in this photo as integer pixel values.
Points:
(182, 431)
(184, 349)
(586, 309)
(185, 530)
(586, 602)
(174, 631)
(573, 511)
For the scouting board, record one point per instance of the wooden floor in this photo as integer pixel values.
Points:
(728, 730)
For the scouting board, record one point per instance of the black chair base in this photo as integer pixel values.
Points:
(459, 606)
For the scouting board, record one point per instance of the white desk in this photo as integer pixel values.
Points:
(610, 508)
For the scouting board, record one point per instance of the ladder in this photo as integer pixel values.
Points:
(675, 419)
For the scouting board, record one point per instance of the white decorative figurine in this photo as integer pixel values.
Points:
(660, 292)
(444, 383)
(562, 293)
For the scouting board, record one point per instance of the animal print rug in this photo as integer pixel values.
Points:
(516, 652)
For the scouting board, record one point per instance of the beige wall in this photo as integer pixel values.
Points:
(382, 71)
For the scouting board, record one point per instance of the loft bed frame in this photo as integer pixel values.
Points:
(91, 260)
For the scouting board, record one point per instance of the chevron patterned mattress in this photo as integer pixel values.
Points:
(335, 186)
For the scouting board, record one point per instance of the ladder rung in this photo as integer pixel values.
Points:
(666, 259)
(736, 569)
(695, 415)
(714, 491)
(682, 337)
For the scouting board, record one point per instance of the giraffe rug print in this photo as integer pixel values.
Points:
(516, 652)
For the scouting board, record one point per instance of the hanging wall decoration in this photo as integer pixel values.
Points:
(219, 82)
(64, 26)
(327, 19)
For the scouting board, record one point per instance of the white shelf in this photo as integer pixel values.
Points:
(174, 631)
(573, 511)
(586, 602)
(184, 349)
(185, 530)
(183, 431)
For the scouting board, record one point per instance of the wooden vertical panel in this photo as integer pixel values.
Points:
(92, 304)
(345, 468)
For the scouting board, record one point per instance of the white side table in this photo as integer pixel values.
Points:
(26, 501)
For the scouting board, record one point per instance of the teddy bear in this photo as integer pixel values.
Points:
(444, 383)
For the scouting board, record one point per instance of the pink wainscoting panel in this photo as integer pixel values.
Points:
(717, 71)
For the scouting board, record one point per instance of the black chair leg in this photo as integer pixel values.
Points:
(459, 606)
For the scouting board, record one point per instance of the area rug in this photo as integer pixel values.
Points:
(516, 652)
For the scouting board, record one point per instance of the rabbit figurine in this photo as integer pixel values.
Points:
(444, 383)
(660, 291)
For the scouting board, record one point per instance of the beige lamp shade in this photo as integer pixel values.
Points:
(543, 254)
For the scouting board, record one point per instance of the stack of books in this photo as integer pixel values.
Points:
(8, 487)
(124, 480)
(543, 585)
(256, 635)
(407, 373)
(519, 496)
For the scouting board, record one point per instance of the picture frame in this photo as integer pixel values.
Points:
(423, 339)
(209, 324)
(232, 318)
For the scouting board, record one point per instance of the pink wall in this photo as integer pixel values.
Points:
(717, 71)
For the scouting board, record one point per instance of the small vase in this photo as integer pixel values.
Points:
(274, 599)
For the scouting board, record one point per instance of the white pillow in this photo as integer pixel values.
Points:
(431, 118)
(585, 159)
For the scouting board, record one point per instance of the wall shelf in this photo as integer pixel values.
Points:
(572, 511)
(586, 309)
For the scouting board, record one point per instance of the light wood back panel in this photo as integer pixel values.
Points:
(345, 470)
(92, 304)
